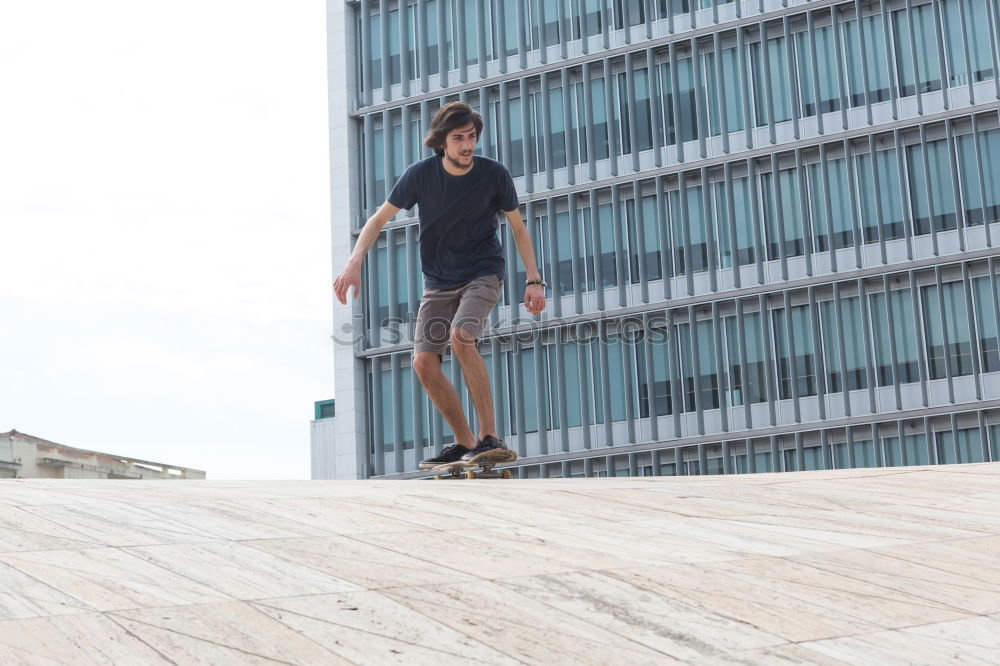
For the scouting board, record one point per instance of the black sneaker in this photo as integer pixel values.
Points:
(449, 454)
(486, 445)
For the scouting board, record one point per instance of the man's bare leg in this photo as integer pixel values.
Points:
(427, 365)
(463, 344)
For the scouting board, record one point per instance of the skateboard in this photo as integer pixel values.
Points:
(485, 465)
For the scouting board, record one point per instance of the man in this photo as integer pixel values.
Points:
(459, 194)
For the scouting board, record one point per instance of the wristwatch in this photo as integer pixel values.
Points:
(540, 283)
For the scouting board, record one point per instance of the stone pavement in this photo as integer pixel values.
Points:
(876, 566)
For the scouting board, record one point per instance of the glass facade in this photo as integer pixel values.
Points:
(769, 229)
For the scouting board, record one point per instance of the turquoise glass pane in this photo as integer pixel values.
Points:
(616, 380)
(607, 234)
(915, 449)
(802, 339)
(516, 157)
(688, 118)
(986, 323)
(712, 90)
(432, 66)
(651, 231)
(385, 408)
(557, 126)
(780, 92)
(734, 94)
(989, 151)
(564, 256)
(643, 113)
(600, 127)
(526, 357)
(891, 193)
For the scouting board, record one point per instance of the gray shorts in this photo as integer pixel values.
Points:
(467, 306)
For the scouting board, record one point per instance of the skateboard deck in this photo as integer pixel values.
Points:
(468, 470)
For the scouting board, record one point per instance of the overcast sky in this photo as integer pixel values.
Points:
(164, 229)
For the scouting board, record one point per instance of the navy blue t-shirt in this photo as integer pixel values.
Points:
(458, 218)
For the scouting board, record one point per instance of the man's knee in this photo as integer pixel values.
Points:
(462, 340)
(426, 363)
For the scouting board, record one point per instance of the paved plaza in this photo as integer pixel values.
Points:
(872, 566)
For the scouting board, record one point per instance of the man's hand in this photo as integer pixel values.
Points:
(534, 298)
(349, 277)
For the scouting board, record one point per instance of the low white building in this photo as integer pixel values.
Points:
(27, 457)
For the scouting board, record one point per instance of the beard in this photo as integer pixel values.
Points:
(459, 161)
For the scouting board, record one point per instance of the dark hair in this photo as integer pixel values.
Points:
(449, 117)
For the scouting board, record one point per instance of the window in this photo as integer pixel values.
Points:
(651, 231)
(802, 339)
(578, 137)
(592, 20)
(753, 387)
(702, 347)
(731, 85)
(536, 140)
(615, 379)
(742, 221)
(933, 201)
(849, 329)
(903, 337)
(922, 39)
(771, 78)
(876, 61)
(887, 195)
(957, 352)
(621, 110)
(395, 71)
(557, 138)
(986, 322)
(977, 208)
(606, 235)
(571, 367)
(526, 358)
(687, 122)
(508, 39)
(784, 229)
(516, 157)
(688, 227)
(662, 362)
(915, 450)
(381, 286)
(600, 127)
(976, 41)
(375, 46)
(708, 75)
(563, 277)
(378, 164)
(432, 66)
(826, 71)
(829, 183)
(668, 123)
(966, 448)
(643, 110)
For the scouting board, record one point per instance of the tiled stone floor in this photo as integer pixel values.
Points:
(878, 566)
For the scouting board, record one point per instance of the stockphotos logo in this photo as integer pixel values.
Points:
(652, 329)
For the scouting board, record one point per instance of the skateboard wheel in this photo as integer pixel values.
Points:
(506, 474)
(437, 477)
(470, 475)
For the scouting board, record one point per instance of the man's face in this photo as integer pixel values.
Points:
(460, 144)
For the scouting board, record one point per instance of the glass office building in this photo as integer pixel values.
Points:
(769, 228)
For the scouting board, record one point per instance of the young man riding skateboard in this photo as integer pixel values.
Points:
(459, 194)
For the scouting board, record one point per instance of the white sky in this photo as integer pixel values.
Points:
(165, 276)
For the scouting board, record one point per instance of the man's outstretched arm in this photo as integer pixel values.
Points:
(351, 275)
(534, 294)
